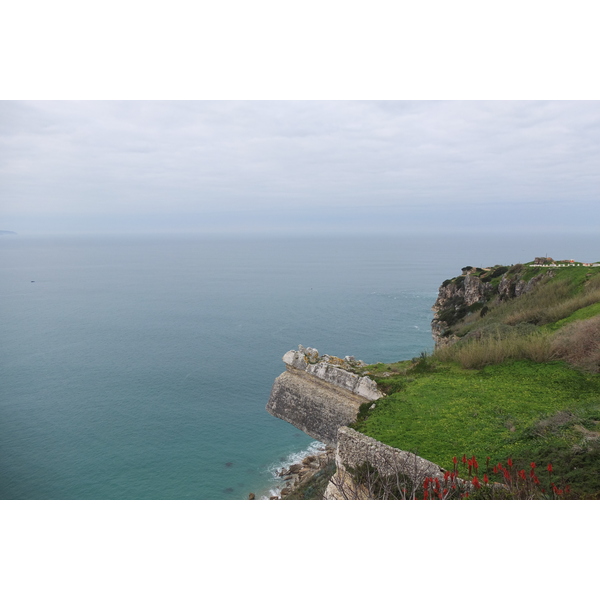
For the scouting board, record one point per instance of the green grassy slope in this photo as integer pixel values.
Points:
(521, 382)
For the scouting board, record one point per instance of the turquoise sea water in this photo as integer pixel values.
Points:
(139, 367)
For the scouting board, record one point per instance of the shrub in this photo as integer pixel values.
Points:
(363, 411)
(389, 386)
(515, 268)
(495, 482)
(423, 364)
(497, 272)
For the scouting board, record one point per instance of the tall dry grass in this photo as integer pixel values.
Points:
(550, 312)
(579, 344)
(495, 349)
(549, 302)
(527, 308)
(593, 283)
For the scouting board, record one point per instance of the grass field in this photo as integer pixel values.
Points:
(519, 409)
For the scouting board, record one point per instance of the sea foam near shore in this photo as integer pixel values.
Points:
(277, 469)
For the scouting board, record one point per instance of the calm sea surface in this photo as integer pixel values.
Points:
(139, 368)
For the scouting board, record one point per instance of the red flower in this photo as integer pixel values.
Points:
(522, 474)
(549, 467)
(454, 459)
(510, 462)
(486, 479)
(532, 465)
(476, 483)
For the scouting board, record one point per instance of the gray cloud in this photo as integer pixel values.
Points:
(209, 165)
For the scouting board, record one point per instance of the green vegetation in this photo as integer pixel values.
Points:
(314, 487)
(525, 327)
(521, 381)
(583, 313)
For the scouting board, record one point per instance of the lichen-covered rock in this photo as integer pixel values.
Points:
(333, 370)
(319, 397)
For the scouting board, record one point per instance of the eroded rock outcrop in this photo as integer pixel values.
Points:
(474, 290)
(319, 394)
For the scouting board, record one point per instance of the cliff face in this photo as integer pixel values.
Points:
(472, 291)
(455, 299)
(319, 394)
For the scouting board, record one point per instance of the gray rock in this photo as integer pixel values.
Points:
(318, 397)
(316, 407)
(331, 373)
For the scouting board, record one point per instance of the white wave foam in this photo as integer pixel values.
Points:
(296, 457)
(291, 459)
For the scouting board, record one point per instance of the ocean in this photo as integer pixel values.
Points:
(138, 367)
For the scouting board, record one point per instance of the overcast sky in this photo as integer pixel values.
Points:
(298, 167)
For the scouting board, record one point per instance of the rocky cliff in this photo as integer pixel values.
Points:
(319, 394)
(475, 290)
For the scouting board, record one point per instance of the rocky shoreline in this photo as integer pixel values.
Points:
(300, 473)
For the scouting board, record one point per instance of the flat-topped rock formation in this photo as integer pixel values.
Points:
(319, 394)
